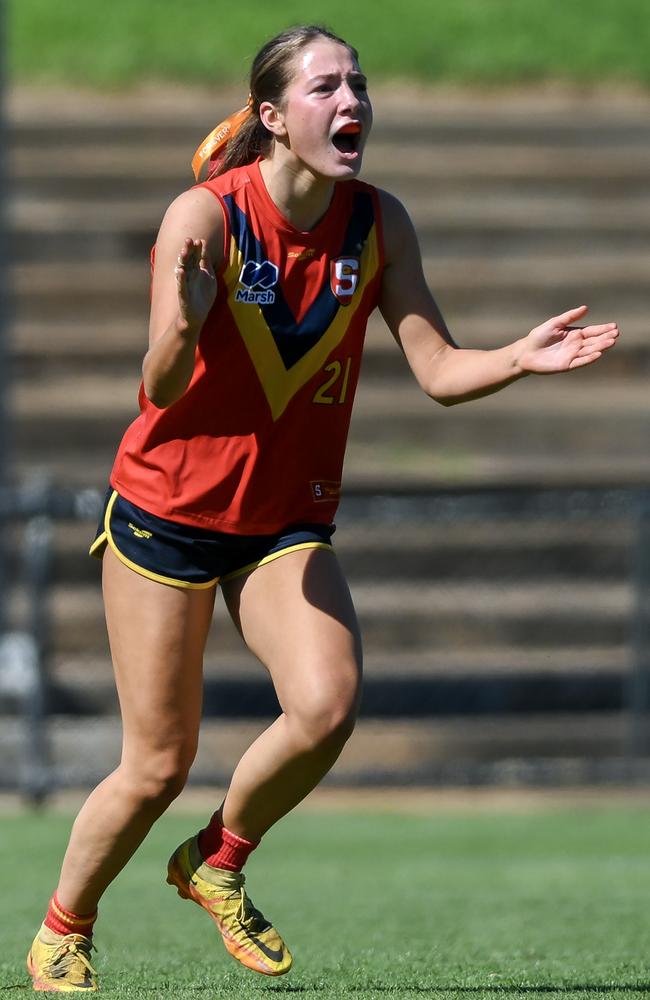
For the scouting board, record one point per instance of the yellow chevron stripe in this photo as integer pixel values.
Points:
(280, 385)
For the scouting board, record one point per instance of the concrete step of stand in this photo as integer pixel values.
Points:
(118, 347)
(92, 672)
(535, 417)
(508, 210)
(469, 549)
(409, 615)
(541, 285)
(445, 751)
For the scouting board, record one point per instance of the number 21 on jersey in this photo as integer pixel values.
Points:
(335, 387)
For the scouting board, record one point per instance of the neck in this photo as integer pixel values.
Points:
(302, 197)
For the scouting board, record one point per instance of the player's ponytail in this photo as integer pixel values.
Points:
(236, 132)
(242, 137)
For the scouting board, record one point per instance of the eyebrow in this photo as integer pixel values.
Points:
(354, 75)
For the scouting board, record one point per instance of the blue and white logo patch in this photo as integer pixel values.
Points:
(257, 279)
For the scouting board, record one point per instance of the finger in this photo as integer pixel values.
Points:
(189, 253)
(580, 362)
(570, 316)
(602, 344)
(205, 263)
(608, 329)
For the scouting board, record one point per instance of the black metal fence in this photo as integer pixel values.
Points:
(28, 689)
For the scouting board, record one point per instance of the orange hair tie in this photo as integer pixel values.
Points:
(210, 153)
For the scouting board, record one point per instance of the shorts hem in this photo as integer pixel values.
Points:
(99, 545)
(272, 556)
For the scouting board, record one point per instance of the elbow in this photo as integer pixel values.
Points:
(160, 396)
(439, 396)
(157, 395)
(435, 379)
(443, 400)
(158, 399)
(157, 390)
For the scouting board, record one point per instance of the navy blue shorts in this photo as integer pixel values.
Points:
(184, 556)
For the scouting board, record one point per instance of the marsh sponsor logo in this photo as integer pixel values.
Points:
(257, 280)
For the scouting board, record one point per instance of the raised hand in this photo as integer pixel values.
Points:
(556, 346)
(195, 281)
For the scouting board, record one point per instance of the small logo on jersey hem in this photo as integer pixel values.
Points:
(325, 490)
(257, 279)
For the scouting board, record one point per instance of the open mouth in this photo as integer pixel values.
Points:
(348, 138)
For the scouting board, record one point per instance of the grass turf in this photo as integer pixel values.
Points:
(458, 41)
(374, 905)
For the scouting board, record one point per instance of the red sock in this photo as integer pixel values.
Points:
(64, 922)
(221, 848)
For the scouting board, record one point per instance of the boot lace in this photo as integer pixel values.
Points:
(72, 950)
(249, 916)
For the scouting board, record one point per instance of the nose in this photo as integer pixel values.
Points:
(349, 98)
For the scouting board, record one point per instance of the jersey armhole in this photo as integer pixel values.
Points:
(379, 225)
(226, 238)
(226, 225)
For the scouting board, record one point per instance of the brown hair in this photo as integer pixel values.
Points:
(271, 74)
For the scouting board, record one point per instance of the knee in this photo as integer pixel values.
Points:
(327, 723)
(160, 778)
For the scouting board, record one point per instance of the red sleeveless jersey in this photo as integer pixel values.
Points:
(257, 441)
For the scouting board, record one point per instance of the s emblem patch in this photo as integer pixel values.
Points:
(344, 278)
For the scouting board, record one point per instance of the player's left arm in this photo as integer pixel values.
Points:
(446, 372)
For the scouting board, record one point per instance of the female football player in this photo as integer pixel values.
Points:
(264, 276)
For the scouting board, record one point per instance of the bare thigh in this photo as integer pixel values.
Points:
(157, 636)
(297, 616)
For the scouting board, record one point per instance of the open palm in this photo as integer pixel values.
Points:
(556, 346)
(195, 281)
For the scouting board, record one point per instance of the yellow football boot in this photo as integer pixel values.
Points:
(60, 963)
(247, 935)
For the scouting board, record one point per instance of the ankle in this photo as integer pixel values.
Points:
(221, 848)
(62, 921)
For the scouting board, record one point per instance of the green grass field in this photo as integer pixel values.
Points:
(458, 41)
(374, 905)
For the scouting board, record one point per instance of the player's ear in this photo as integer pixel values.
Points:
(272, 119)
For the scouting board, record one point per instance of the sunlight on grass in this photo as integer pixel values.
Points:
(377, 904)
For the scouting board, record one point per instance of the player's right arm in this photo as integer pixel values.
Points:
(189, 249)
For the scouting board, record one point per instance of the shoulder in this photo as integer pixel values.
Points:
(197, 204)
(196, 214)
(389, 211)
(392, 209)
(399, 232)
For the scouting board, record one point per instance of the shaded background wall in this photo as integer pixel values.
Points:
(492, 548)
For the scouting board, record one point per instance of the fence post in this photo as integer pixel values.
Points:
(639, 687)
(38, 556)
(4, 319)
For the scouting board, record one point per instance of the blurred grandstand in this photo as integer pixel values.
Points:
(496, 551)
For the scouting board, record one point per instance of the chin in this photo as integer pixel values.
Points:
(344, 171)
